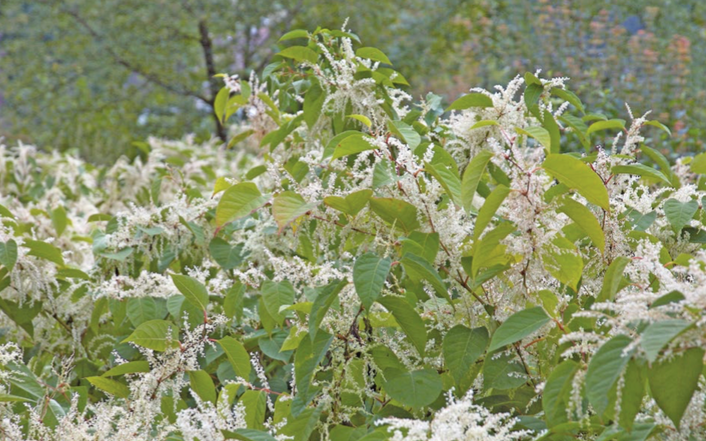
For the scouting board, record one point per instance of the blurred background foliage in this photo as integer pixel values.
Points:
(97, 75)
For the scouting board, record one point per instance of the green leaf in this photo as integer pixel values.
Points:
(641, 170)
(405, 133)
(202, 384)
(396, 212)
(255, 402)
(415, 389)
(679, 214)
(8, 254)
(142, 309)
(288, 207)
(220, 103)
(612, 279)
(487, 211)
(194, 291)
(300, 53)
(59, 220)
(604, 369)
(448, 179)
(227, 256)
(585, 219)
(327, 295)
(113, 387)
(632, 393)
(550, 124)
(351, 204)
(471, 177)
(518, 326)
(44, 250)
(131, 367)
(408, 319)
(372, 53)
(490, 245)
(461, 348)
(556, 396)
(157, 335)
(306, 359)
(418, 269)
(352, 144)
(698, 164)
(237, 356)
(362, 118)
(502, 372)
(239, 201)
(291, 35)
(538, 133)
(674, 381)
(605, 125)
(658, 334)
(275, 295)
(313, 103)
(425, 245)
(369, 274)
(484, 123)
(471, 100)
(579, 176)
(570, 97)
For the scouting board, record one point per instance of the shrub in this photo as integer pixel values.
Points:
(362, 268)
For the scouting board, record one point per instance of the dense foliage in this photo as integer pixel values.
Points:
(364, 268)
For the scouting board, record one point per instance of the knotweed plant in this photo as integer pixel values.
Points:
(360, 266)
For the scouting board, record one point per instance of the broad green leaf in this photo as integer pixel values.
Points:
(556, 396)
(194, 291)
(471, 100)
(679, 214)
(408, 319)
(362, 118)
(550, 124)
(564, 263)
(659, 125)
(131, 367)
(220, 103)
(306, 359)
(585, 219)
(579, 176)
(632, 393)
(461, 348)
(239, 201)
(288, 207)
(395, 212)
(313, 103)
(226, 255)
(44, 250)
(538, 133)
(698, 164)
(158, 335)
(487, 211)
(8, 254)
(415, 389)
(612, 278)
(605, 125)
(502, 373)
(255, 402)
(570, 97)
(674, 381)
(142, 309)
(425, 245)
(641, 170)
(202, 385)
(488, 246)
(604, 369)
(327, 295)
(352, 144)
(237, 355)
(112, 387)
(297, 33)
(484, 123)
(275, 295)
(658, 334)
(300, 53)
(518, 326)
(369, 274)
(59, 220)
(418, 269)
(372, 53)
(448, 179)
(351, 204)
(405, 133)
(471, 177)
